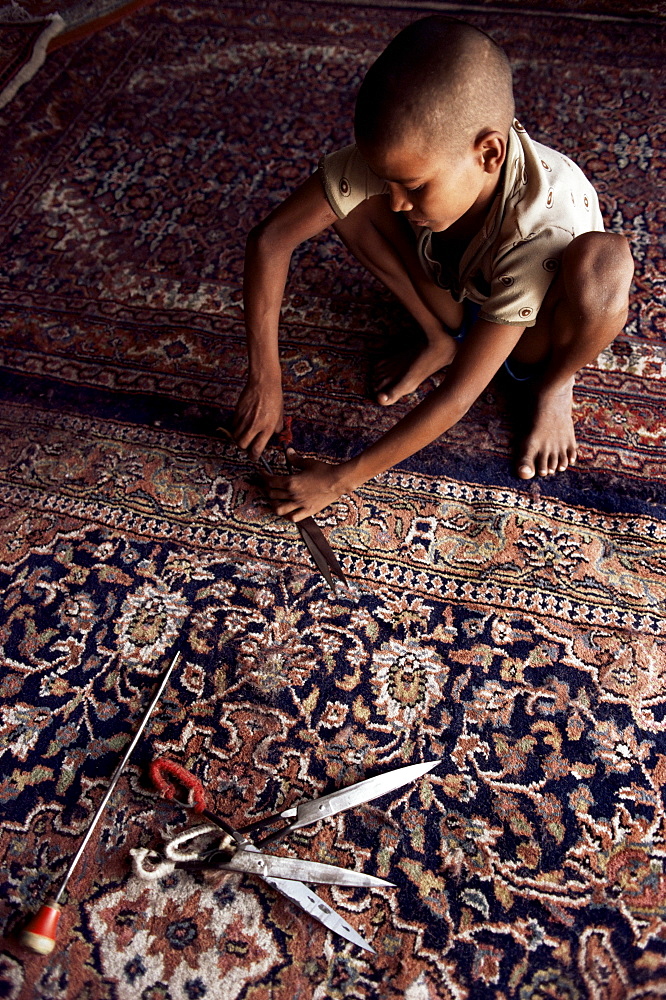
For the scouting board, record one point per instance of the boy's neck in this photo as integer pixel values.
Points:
(465, 229)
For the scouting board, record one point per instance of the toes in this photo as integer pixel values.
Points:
(382, 374)
(549, 465)
(540, 465)
(387, 396)
(525, 470)
(379, 384)
(565, 459)
(549, 449)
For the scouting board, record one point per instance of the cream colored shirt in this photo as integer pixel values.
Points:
(544, 201)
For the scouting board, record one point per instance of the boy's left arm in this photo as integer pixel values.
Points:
(317, 484)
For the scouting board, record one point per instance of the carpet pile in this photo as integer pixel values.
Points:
(515, 630)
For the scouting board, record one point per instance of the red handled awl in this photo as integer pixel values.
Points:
(39, 934)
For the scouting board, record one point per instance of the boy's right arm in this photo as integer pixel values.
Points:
(270, 245)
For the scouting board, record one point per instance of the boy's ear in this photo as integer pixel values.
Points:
(491, 148)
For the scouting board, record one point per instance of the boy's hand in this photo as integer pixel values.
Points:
(314, 486)
(258, 416)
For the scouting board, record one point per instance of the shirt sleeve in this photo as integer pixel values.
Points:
(521, 277)
(348, 180)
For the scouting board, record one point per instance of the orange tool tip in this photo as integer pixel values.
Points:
(39, 934)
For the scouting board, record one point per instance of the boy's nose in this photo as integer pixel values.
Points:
(399, 199)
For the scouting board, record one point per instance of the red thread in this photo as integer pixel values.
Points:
(285, 437)
(196, 796)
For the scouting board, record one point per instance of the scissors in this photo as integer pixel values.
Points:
(223, 848)
(322, 554)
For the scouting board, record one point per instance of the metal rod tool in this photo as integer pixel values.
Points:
(39, 934)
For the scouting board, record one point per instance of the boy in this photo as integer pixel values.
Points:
(444, 197)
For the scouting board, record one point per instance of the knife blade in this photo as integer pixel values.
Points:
(317, 555)
(314, 539)
(318, 539)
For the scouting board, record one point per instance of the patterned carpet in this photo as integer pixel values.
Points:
(517, 631)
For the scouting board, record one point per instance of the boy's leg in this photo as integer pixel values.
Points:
(583, 312)
(384, 243)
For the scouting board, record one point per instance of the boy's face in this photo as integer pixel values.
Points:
(434, 188)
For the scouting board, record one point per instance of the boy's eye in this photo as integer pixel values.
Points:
(416, 189)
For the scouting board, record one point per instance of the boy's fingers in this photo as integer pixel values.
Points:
(276, 482)
(277, 494)
(296, 460)
(257, 446)
(240, 436)
(279, 488)
(283, 508)
(291, 509)
(244, 429)
(297, 515)
(244, 438)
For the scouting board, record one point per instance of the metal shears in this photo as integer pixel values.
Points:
(223, 848)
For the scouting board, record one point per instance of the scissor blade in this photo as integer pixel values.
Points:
(353, 795)
(309, 901)
(317, 908)
(256, 863)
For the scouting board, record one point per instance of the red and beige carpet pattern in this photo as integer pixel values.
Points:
(515, 630)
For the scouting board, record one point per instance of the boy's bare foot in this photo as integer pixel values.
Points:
(402, 373)
(550, 446)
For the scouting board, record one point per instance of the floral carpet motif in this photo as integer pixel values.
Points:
(516, 631)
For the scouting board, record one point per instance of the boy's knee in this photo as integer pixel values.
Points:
(351, 227)
(375, 235)
(598, 269)
(370, 216)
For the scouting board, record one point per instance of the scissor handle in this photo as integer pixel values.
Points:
(173, 850)
(196, 797)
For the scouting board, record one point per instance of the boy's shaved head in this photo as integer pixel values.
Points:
(441, 78)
